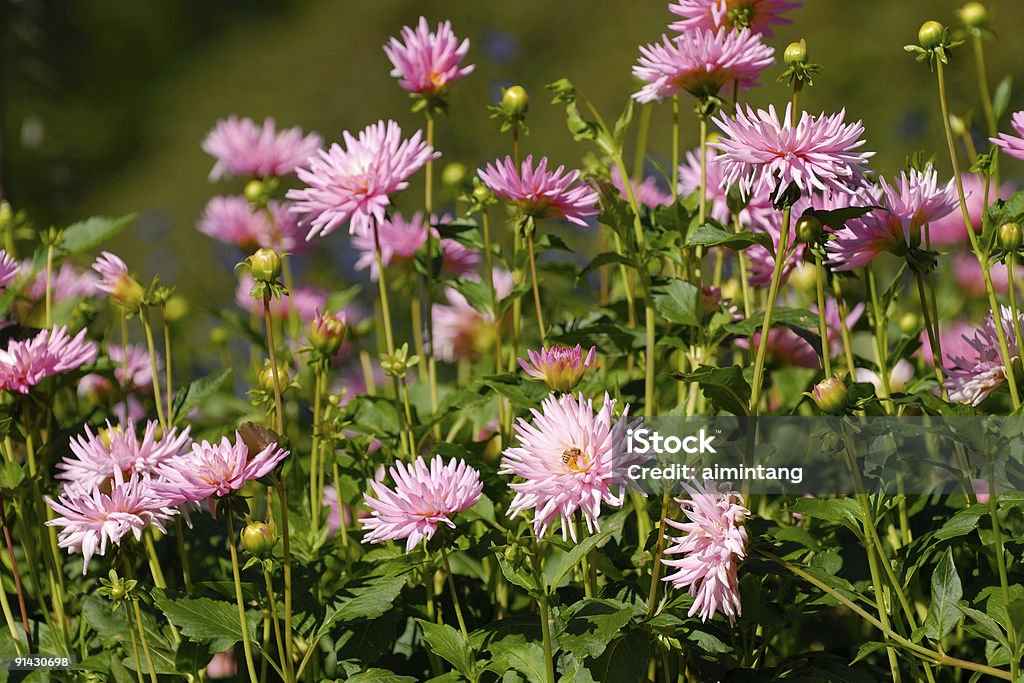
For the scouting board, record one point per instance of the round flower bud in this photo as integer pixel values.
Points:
(254, 190)
(117, 591)
(220, 335)
(481, 193)
(176, 307)
(515, 101)
(957, 125)
(796, 53)
(809, 228)
(265, 265)
(1010, 236)
(974, 15)
(930, 34)
(266, 377)
(909, 322)
(830, 396)
(259, 538)
(454, 175)
(326, 333)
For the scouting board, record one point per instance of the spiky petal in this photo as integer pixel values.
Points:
(244, 148)
(541, 193)
(427, 63)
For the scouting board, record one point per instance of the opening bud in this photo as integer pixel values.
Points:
(326, 333)
(830, 396)
(796, 53)
(1010, 236)
(930, 34)
(265, 265)
(259, 538)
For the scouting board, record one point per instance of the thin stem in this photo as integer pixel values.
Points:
(272, 606)
(675, 148)
(152, 368)
(652, 594)
(272, 352)
(135, 650)
(167, 362)
(982, 77)
(49, 284)
(1011, 267)
(455, 595)
(142, 639)
(489, 260)
(416, 320)
(993, 511)
(286, 551)
(826, 351)
(880, 333)
(536, 290)
(239, 600)
(545, 616)
(17, 581)
(782, 253)
(186, 565)
(933, 337)
(315, 503)
(428, 203)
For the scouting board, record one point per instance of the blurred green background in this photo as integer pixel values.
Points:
(104, 103)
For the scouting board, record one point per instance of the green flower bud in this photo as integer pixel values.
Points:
(266, 377)
(481, 193)
(254, 191)
(804, 277)
(957, 125)
(830, 396)
(930, 34)
(265, 265)
(796, 53)
(220, 335)
(326, 333)
(117, 591)
(909, 322)
(974, 15)
(176, 307)
(809, 228)
(515, 101)
(1010, 236)
(259, 538)
(455, 175)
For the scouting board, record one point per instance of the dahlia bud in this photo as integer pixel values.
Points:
(259, 538)
(804, 277)
(560, 367)
(1010, 236)
(117, 591)
(909, 322)
(254, 191)
(176, 307)
(974, 15)
(266, 377)
(796, 53)
(710, 298)
(455, 175)
(515, 101)
(957, 125)
(830, 396)
(326, 333)
(265, 265)
(482, 193)
(930, 34)
(809, 228)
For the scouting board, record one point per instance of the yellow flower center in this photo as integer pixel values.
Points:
(575, 460)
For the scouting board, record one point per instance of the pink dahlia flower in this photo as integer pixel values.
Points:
(951, 229)
(24, 364)
(461, 331)
(222, 665)
(758, 15)
(98, 456)
(955, 339)
(646, 192)
(712, 548)
(570, 458)
(353, 183)
(759, 207)
(9, 268)
(765, 155)
(233, 220)
(90, 520)
(116, 281)
(786, 347)
(977, 375)
(560, 367)
(909, 204)
(399, 241)
(133, 375)
(701, 62)
(540, 193)
(66, 282)
(214, 470)
(243, 148)
(426, 63)
(306, 300)
(423, 497)
(1012, 144)
(967, 273)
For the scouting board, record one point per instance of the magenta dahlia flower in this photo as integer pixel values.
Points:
(116, 281)
(570, 458)
(353, 183)
(975, 377)
(701, 62)
(909, 204)
(461, 331)
(646, 192)
(560, 367)
(9, 268)
(214, 470)
(400, 239)
(24, 364)
(765, 155)
(540, 193)
(98, 456)
(243, 148)
(712, 548)
(951, 230)
(426, 63)
(233, 220)
(423, 497)
(758, 15)
(1013, 145)
(91, 519)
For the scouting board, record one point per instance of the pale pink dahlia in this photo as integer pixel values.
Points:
(701, 62)
(243, 148)
(90, 520)
(714, 544)
(66, 282)
(9, 268)
(646, 192)
(426, 63)
(973, 379)
(116, 281)
(24, 364)
(951, 229)
(214, 470)
(758, 209)
(570, 458)
(233, 220)
(540, 193)
(908, 205)
(461, 331)
(424, 496)
(400, 239)
(98, 456)
(353, 183)
(1013, 145)
(758, 15)
(765, 155)
(560, 367)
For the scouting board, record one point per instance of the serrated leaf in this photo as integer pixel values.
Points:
(711, 236)
(963, 522)
(798, 317)
(205, 620)
(947, 591)
(88, 234)
(198, 392)
(448, 643)
(837, 218)
(866, 649)
(517, 653)
(726, 388)
(556, 571)
(678, 302)
(624, 659)
(844, 511)
(520, 392)
(590, 624)
(987, 624)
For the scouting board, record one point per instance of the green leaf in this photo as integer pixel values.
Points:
(556, 570)
(604, 259)
(987, 624)
(947, 591)
(963, 522)
(198, 392)
(711, 236)
(379, 676)
(844, 511)
(205, 620)
(726, 388)
(368, 602)
(591, 623)
(678, 302)
(520, 392)
(796, 317)
(514, 652)
(85, 235)
(866, 649)
(448, 643)
(1001, 97)
(836, 218)
(609, 338)
(477, 293)
(624, 659)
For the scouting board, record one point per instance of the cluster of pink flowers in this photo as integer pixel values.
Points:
(400, 239)
(24, 364)
(243, 148)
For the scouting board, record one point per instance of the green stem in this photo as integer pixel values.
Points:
(536, 288)
(428, 203)
(286, 551)
(142, 639)
(186, 565)
(455, 595)
(652, 594)
(498, 356)
(782, 253)
(239, 600)
(1011, 267)
(135, 650)
(167, 363)
(275, 375)
(545, 615)
(844, 329)
(272, 606)
(880, 333)
(17, 585)
(49, 284)
(314, 464)
(1004, 585)
(152, 368)
(933, 337)
(826, 351)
